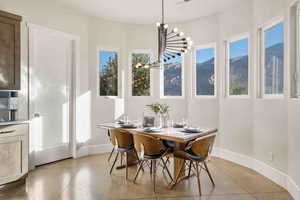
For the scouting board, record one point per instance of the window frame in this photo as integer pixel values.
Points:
(130, 76)
(194, 71)
(296, 76)
(162, 83)
(117, 50)
(227, 63)
(261, 56)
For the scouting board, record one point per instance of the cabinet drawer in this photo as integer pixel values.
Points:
(11, 130)
(10, 157)
(13, 152)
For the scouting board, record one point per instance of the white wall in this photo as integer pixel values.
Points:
(236, 130)
(48, 14)
(293, 108)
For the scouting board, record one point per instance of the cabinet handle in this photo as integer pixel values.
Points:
(5, 132)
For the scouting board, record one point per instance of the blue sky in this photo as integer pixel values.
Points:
(238, 48)
(104, 57)
(274, 35)
(174, 60)
(204, 55)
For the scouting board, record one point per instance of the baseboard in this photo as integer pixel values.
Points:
(293, 188)
(51, 154)
(273, 174)
(100, 149)
(93, 149)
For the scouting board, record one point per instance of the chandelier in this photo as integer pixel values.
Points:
(171, 44)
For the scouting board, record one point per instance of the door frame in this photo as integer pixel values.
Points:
(73, 90)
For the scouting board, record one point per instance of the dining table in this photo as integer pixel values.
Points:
(177, 135)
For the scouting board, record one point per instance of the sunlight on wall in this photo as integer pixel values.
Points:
(36, 127)
(119, 108)
(66, 123)
(83, 118)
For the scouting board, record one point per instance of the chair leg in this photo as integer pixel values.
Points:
(138, 159)
(167, 161)
(111, 153)
(209, 174)
(198, 179)
(190, 168)
(154, 174)
(138, 171)
(121, 160)
(165, 166)
(126, 171)
(151, 166)
(178, 174)
(112, 167)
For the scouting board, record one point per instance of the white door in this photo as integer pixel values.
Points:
(50, 70)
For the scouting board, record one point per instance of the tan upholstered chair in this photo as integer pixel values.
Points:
(197, 154)
(151, 149)
(124, 144)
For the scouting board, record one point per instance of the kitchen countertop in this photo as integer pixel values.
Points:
(14, 122)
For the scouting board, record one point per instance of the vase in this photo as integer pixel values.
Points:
(164, 120)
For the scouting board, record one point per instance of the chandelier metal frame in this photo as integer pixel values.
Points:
(171, 44)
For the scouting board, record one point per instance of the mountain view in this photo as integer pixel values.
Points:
(205, 79)
(239, 73)
(274, 69)
(172, 79)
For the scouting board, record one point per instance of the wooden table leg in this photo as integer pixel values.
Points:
(132, 160)
(177, 166)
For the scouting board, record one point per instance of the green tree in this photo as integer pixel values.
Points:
(140, 76)
(109, 77)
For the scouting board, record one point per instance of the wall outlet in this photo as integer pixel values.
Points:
(271, 156)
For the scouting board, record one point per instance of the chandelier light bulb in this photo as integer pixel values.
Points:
(190, 43)
(146, 66)
(166, 26)
(188, 39)
(157, 24)
(181, 34)
(175, 30)
(138, 65)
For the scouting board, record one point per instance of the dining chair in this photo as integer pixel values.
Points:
(151, 149)
(112, 142)
(124, 144)
(197, 154)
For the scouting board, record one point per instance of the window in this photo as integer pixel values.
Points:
(205, 71)
(108, 72)
(238, 67)
(172, 78)
(273, 59)
(140, 75)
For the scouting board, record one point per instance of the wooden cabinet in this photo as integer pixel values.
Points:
(13, 152)
(9, 51)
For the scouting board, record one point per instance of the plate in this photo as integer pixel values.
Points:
(152, 130)
(178, 125)
(128, 126)
(192, 130)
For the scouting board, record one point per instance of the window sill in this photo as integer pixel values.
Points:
(238, 97)
(173, 97)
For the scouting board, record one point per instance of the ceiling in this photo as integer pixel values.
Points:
(148, 11)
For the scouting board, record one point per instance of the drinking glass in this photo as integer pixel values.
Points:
(170, 123)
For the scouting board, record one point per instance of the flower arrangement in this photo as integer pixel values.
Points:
(158, 108)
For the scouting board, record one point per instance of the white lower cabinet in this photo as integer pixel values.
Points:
(13, 152)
